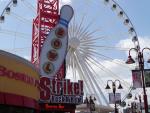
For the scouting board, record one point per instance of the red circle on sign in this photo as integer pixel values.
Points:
(60, 32)
(56, 43)
(48, 67)
(52, 55)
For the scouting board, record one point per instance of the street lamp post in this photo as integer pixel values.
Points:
(114, 90)
(141, 67)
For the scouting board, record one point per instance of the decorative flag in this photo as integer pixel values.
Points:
(147, 77)
(136, 77)
(113, 98)
(137, 80)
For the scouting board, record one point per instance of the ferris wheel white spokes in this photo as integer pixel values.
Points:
(95, 35)
(85, 51)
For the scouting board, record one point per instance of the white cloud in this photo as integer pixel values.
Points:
(64, 2)
(119, 68)
(144, 41)
(127, 43)
(27, 58)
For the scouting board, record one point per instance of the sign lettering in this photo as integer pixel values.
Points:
(18, 76)
(61, 91)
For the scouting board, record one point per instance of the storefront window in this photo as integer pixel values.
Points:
(14, 109)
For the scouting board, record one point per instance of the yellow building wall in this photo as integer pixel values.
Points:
(18, 87)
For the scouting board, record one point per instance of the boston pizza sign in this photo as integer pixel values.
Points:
(56, 89)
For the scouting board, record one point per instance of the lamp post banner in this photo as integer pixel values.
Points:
(147, 77)
(112, 98)
(136, 78)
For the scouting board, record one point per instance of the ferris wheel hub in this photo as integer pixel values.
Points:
(74, 43)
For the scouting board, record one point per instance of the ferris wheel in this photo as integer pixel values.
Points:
(100, 35)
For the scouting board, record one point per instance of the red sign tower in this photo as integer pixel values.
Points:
(47, 18)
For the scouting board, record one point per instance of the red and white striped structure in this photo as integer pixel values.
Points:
(47, 17)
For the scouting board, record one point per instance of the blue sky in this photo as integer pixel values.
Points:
(138, 12)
